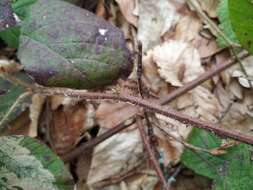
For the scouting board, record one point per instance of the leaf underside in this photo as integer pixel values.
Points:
(28, 165)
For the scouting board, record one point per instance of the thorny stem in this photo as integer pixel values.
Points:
(148, 139)
(141, 92)
(149, 105)
(151, 154)
(82, 94)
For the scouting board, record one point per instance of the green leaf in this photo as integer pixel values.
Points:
(66, 46)
(241, 16)
(20, 7)
(225, 24)
(9, 93)
(11, 35)
(27, 164)
(233, 170)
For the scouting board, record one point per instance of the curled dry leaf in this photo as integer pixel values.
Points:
(242, 79)
(118, 154)
(178, 62)
(35, 111)
(127, 8)
(151, 77)
(236, 114)
(66, 127)
(9, 66)
(210, 6)
(155, 18)
(187, 28)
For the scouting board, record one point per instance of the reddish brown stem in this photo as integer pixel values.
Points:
(151, 153)
(147, 104)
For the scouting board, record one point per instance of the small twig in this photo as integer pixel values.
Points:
(87, 146)
(151, 154)
(174, 175)
(185, 144)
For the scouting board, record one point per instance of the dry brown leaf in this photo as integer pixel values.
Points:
(239, 74)
(82, 169)
(155, 18)
(151, 77)
(109, 115)
(127, 8)
(35, 111)
(120, 153)
(178, 62)
(9, 66)
(238, 115)
(66, 127)
(206, 47)
(171, 148)
(187, 28)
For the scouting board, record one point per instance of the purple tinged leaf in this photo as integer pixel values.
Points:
(64, 45)
(7, 18)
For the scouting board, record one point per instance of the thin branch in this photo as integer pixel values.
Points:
(149, 105)
(151, 154)
(185, 144)
(140, 87)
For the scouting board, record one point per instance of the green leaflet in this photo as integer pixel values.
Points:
(9, 93)
(28, 165)
(225, 24)
(64, 45)
(231, 171)
(241, 18)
